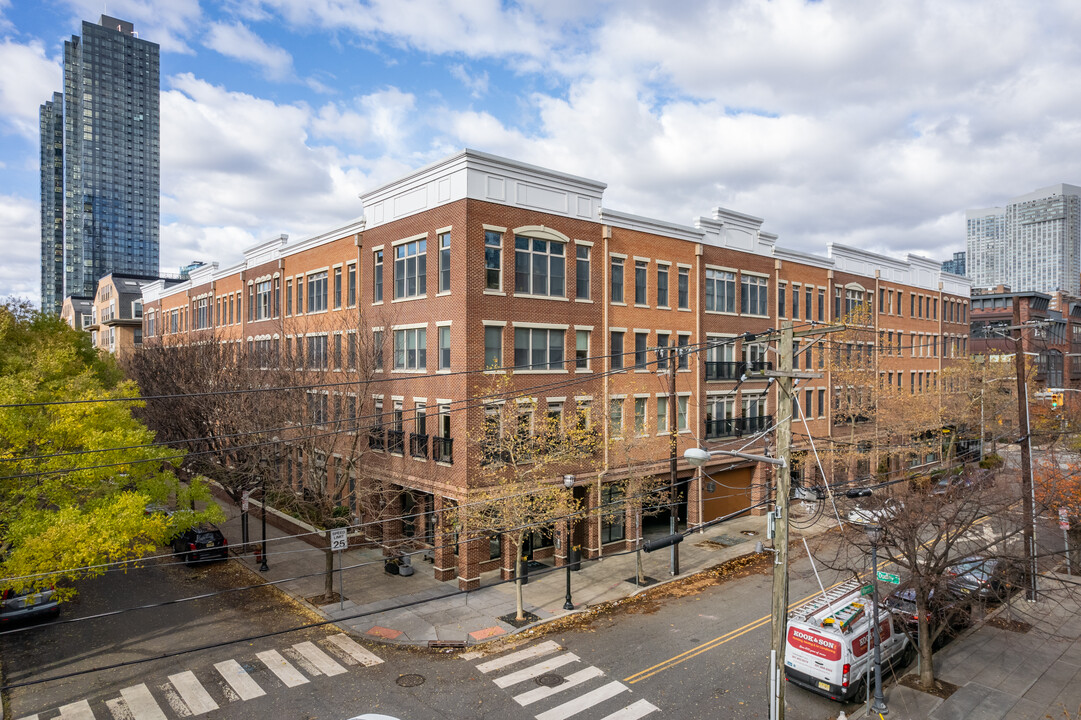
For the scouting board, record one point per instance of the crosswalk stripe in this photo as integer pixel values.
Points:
(319, 659)
(544, 648)
(633, 711)
(141, 703)
(528, 698)
(239, 680)
(192, 693)
(29, 717)
(77, 711)
(282, 668)
(535, 670)
(119, 709)
(351, 648)
(583, 702)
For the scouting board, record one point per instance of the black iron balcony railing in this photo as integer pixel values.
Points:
(443, 449)
(376, 438)
(418, 445)
(395, 441)
(737, 427)
(735, 370)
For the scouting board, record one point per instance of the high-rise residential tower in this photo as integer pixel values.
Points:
(1034, 243)
(103, 169)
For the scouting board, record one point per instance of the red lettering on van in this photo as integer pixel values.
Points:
(814, 644)
(860, 644)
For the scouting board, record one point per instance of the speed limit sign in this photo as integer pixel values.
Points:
(338, 541)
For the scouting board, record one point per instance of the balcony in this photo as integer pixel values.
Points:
(443, 449)
(735, 370)
(737, 427)
(396, 441)
(377, 438)
(418, 445)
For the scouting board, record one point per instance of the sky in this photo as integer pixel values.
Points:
(874, 125)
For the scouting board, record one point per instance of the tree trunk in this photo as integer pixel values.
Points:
(328, 586)
(927, 667)
(641, 569)
(519, 602)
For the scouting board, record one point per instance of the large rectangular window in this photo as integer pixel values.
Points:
(262, 300)
(754, 297)
(351, 285)
(493, 347)
(720, 291)
(581, 271)
(538, 348)
(377, 349)
(640, 416)
(493, 260)
(337, 288)
(662, 286)
(581, 349)
(444, 262)
(808, 304)
(317, 352)
(615, 417)
(317, 292)
(616, 341)
(782, 299)
(640, 345)
(641, 269)
(377, 276)
(411, 269)
(411, 349)
(613, 523)
(617, 280)
(684, 288)
(662, 414)
(300, 296)
(539, 267)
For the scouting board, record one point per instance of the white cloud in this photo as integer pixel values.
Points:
(20, 273)
(169, 24)
(29, 80)
(240, 43)
(477, 85)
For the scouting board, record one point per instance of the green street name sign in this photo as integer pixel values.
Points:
(889, 577)
(867, 590)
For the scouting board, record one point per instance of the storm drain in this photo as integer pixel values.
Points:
(410, 680)
(549, 680)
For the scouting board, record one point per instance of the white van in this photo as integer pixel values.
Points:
(827, 649)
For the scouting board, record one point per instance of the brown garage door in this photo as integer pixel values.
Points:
(726, 493)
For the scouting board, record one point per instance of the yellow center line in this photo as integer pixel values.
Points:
(722, 639)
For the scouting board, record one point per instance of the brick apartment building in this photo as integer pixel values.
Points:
(479, 262)
(113, 316)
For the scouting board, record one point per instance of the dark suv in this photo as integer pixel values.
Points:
(200, 544)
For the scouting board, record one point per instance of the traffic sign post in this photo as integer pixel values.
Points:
(889, 577)
(867, 590)
(338, 543)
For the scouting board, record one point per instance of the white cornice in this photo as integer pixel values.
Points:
(628, 221)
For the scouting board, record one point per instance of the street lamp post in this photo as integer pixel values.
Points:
(264, 567)
(878, 706)
(568, 482)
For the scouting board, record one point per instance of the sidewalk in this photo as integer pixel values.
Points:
(409, 611)
(1007, 675)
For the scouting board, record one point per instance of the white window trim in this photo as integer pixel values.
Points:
(540, 326)
(494, 228)
(403, 241)
(542, 232)
(753, 273)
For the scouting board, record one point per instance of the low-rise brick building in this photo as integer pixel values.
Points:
(478, 264)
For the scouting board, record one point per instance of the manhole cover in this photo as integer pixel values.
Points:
(410, 680)
(749, 533)
(549, 680)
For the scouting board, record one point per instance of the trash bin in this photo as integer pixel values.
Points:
(405, 569)
(390, 566)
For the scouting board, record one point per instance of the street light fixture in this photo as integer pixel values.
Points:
(697, 457)
(568, 482)
(875, 534)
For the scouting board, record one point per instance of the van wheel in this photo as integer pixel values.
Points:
(860, 693)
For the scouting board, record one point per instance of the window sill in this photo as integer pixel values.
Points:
(664, 307)
(719, 312)
(640, 305)
(489, 291)
(582, 371)
(620, 304)
(684, 309)
(538, 372)
(377, 302)
(317, 312)
(406, 371)
(411, 298)
(443, 294)
(541, 297)
(583, 300)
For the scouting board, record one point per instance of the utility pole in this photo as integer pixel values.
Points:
(1028, 500)
(780, 522)
(673, 436)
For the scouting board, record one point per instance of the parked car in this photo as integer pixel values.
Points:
(861, 515)
(200, 544)
(983, 578)
(943, 608)
(27, 604)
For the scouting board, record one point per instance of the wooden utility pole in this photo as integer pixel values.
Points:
(1028, 499)
(780, 521)
(673, 356)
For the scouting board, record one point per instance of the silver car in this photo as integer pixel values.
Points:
(28, 604)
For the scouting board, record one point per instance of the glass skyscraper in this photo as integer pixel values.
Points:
(1034, 243)
(100, 155)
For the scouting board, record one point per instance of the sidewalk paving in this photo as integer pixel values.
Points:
(1007, 675)
(417, 609)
